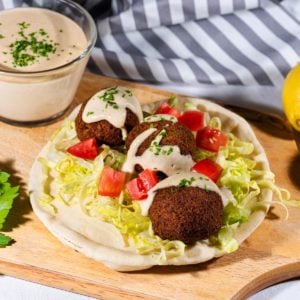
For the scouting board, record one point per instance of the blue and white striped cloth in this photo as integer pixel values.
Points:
(238, 51)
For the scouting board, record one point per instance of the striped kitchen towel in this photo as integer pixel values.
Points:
(194, 41)
(235, 51)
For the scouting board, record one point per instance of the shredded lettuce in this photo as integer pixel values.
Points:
(190, 106)
(114, 158)
(76, 180)
(215, 122)
(172, 101)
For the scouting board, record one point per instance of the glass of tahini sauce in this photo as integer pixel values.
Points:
(44, 49)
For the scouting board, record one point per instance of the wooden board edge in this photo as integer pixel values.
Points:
(269, 278)
(69, 283)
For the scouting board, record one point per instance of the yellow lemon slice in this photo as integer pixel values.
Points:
(291, 97)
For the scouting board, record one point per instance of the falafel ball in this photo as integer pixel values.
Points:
(176, 135)
(103, 131)
(188, 214)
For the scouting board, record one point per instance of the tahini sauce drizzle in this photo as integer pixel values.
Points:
(114, 110)
(169, 160)
(199, 180)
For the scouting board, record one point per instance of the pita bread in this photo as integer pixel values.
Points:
(103, 242)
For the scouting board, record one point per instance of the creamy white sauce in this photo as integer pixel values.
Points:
(167, 158)
(28, 97)
(110, 105)
(48, 27)
(160, 117)
(195, 179)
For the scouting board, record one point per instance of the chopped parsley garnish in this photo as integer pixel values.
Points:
(109, 98)
(163, 133)
(168, 152)
(24, 25)
(89, 113)
(157, 149)
(186, 182)
(42, 32)
(2, 36)
(28, 47)
(127, 93)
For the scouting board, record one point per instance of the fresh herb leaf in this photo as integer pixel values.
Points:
(4, 240)
(7, 196)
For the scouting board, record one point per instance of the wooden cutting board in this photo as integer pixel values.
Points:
(270, 255)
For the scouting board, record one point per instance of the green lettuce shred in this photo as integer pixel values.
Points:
(76, 181)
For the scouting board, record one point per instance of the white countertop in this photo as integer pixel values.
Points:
(17, 289)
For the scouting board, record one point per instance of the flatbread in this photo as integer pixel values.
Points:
(103, 242)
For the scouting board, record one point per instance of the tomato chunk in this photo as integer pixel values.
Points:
(192, 119)
(87, 149)
(139, 187)
(148, 178)
(136, 189)
(208, 168)
(111, 182)
(166, 108)
(211, 139)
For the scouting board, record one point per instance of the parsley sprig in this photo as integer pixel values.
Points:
(7, 196)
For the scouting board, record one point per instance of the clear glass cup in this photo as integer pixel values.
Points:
(36, 98)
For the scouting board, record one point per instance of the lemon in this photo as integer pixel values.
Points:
(291, 97)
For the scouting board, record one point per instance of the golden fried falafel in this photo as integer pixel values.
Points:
(188, 214)
(103, 131)
(176, 135)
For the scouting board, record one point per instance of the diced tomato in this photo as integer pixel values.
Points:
(139, 187)
(148, 178)
(87, 149)
(165, 108)
(192, 119)
(111, 182)
(136, 189)
(211, 139)
(208, 168)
